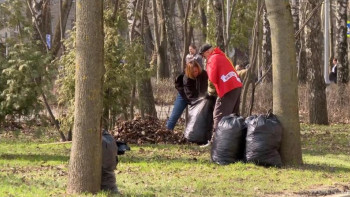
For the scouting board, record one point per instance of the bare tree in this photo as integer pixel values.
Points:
(85, 159)
(140, 31)
(302, 66)
(341, 46)
(61, 27)
(175, 59)
(285, 84)
(219, 23)
(160, 39)
(316, 85)
(266, 49)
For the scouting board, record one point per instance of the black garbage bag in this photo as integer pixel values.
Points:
(200, 120)
(263, 140)
(109, 162)
(122, 147)
(229, 140)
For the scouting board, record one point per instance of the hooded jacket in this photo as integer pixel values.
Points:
(222, 73)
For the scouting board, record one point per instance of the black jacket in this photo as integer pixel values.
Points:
(179, 85)
(195, 88)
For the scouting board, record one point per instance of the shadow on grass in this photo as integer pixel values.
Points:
(320, 168)
(323, 152)
(34, 157)
(163, 159)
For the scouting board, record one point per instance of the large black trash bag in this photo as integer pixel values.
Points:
(229, 140)
(200, 120)
(109, 162)
(263, 140)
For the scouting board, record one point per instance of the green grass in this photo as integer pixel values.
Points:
(31, 167)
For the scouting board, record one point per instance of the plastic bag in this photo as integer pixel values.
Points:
(200, 121)
(263, 140)
(229, 140)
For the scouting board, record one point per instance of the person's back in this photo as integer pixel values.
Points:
(224, 77)
(222, 73)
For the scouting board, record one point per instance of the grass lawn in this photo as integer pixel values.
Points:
(34, 167)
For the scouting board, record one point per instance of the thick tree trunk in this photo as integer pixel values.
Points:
(341, 46)
(316, 85)
(302, 66)
(162, 60)
(85, 158)
(203, 22)
(147, 104)
(285, 84)
(175, 59)
(295, 16)
(219, 33)
(56, 41)
(266, 49)
(143, 32)
(187, 34)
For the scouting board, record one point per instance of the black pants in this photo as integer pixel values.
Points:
(227, 105)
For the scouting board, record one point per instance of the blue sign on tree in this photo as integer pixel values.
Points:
(348, 28)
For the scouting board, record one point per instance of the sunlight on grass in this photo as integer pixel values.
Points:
(32, 168)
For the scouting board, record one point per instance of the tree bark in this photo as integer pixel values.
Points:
(302, 66)
(285, 84)
(56, 41)
(187, 34)
(162, 56)
(341, 46)
(295, 16)
(316, 85)
(266, 49)
(175, 60)
(143, 33)
(219, 33)
(85, 159)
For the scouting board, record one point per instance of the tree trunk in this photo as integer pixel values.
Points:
(143, 33)
(85, 158)
(302, 66)
(175, 60)
(162, 60)
(285, 84)
(56, 41)
(295, 16)
(187, 34)
(266, 49)
(147, 104)
(342, 68)
(203, 22)
(316, 85)
(219, 33)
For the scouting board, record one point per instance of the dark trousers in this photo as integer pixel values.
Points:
(227, 105)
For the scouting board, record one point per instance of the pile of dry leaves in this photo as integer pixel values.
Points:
(146, 131)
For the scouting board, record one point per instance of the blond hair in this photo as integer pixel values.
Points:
(189, 69)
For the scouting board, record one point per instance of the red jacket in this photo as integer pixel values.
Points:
(222, 73)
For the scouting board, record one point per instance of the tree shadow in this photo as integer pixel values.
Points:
(34, 157)
(320, 168)
(162, 159)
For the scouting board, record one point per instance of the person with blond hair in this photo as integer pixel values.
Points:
(195, 81)
(181, 100)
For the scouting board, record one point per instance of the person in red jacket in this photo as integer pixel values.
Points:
(227, 83)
